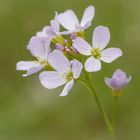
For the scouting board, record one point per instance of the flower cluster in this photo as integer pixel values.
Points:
(61, 56)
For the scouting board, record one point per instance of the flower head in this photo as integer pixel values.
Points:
(118, 81)
(66, 72)
(39, 47)
(100, 39)
(69, 20)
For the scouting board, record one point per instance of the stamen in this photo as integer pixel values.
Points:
(42, 61)
(96, 53)
(68, 76)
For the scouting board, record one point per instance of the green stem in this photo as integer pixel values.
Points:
(114, 109)
(101, 108)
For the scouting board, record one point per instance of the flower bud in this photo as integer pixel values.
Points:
(73, 36)
(118, 81)
(59, 47)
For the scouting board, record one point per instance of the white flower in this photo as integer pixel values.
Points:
(66, 72)
(100, 39)
(50, 31)
(69, 20)
(39, 47)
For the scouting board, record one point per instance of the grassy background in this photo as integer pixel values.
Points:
(30, 112)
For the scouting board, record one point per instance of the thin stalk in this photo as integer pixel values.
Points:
(114, 110)
(89, 83)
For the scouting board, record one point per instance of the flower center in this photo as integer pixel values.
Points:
(68, 76)
(42, 61)
(96, 53)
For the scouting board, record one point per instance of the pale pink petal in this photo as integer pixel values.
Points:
(88, 16)
(101, 37)
(68, 19)
(59, 62)
(55, 25)
(119, 73)
(67, 88)
(43, 32)
(76, 68)
(33, 70)
(110, 54)
(30, 66)
(65, 32)
(35, 47)
(92, 64)
(50, 32)
(108, 82)
(39, 47)
(51, 79)
(82, 46)
(46, 32)
(25, 65)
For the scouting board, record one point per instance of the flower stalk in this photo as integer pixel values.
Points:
(114, 110)
(89, 85)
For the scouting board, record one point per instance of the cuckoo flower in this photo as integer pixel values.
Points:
(66, 72)
(69, 20)
(50, 31)
(39, 47)
(100, 39)
(118, 81)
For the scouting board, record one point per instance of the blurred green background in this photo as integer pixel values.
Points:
(28, 111)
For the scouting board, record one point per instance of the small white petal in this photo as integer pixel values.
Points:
(51, 79)
(59, 62)
(65, 32)
(39, 47)
(110, 54)
(82, 46)
(43, 32)
(88, 16)
(92, 64)
(30, 66)
(55, 25)
(101, 37)
(35, 47)
(76, 68)
(67, 88)
(25, 65)
(68, 19)
(50, 32)
(108, 82)
(119, 73)
(33, 70)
